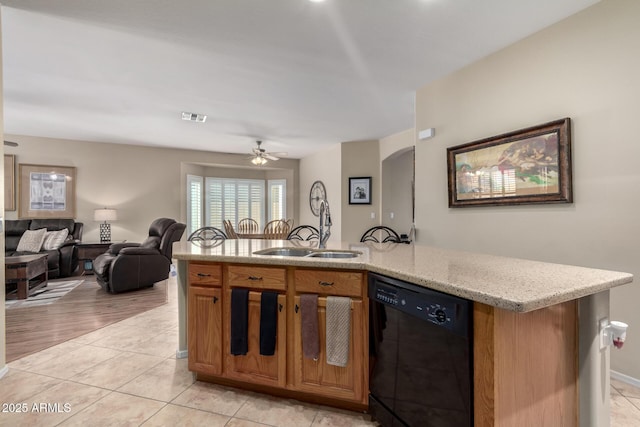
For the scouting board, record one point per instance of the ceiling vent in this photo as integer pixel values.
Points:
(193, 117)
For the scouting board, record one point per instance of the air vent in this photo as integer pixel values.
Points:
(193, 117)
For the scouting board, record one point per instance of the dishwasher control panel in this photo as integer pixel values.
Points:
(441, 309)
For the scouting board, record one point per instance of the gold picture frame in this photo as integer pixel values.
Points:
(9, 182)
(46, 191)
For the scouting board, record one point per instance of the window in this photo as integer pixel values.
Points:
(194, 203)
(277, 199)
(233, 199)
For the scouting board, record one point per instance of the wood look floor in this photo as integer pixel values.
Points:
(84, 309)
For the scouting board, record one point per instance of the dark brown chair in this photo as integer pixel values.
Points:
(130, 266)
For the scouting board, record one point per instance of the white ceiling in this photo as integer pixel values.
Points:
(298, 75)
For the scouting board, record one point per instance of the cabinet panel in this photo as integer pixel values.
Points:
(205, 330)
(205, 274)
(318, 377)
(254, 367)
(338, 283)
(257, 277)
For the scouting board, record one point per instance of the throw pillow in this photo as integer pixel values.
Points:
(54, 239)
(31, 240)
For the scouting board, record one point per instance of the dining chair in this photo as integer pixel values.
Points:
(248, 226)
(380, 234)
(276, 229)
(207, 233)
(228, 228)
(304, 232)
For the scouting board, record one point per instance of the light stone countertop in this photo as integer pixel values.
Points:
(508, 283)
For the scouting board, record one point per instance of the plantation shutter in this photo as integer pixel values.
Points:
(194, 203)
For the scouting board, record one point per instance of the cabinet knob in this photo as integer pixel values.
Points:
(255, 278)
(280, 307)
(203, 275)
(215, 300)
(323, 283)
(296, 308)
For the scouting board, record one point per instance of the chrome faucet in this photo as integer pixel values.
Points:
(325, 220)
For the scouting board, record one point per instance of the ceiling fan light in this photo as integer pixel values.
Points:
(259, 161)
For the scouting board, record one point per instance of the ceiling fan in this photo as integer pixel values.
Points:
(259, 156)
(10, 144)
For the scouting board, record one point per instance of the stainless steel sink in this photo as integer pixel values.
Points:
(306, 252)
(334, 254)
(285, 252)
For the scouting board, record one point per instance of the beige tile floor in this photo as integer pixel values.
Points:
(126, 374)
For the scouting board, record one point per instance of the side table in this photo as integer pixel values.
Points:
(87, 252)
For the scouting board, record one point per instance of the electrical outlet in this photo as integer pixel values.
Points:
(373, 215)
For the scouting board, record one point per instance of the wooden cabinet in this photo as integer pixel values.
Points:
(254, 367)
(205, 318)
(286, 372)
(317, 376)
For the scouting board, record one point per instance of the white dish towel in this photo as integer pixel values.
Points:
(338, 330)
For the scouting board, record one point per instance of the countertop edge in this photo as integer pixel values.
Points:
(506, 302)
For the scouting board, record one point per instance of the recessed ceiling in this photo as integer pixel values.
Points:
(296, 74)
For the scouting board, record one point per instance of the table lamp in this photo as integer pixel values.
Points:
(105, 228)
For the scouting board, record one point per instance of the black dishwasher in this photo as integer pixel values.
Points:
(421, 356)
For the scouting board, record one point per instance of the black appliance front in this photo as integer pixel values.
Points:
(421, 356)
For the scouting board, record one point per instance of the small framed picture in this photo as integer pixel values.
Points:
(360, 191)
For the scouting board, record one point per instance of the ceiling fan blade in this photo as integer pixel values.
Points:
(11, 144)
(270, 156)
(278, 154)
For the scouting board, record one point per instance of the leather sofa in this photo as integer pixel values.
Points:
(62, 262)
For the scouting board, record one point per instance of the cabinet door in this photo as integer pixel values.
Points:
(254, 367)
(316, 376)
(205, 330)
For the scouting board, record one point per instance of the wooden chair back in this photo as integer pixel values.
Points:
(228, 228)
(276, 229)
(248, 226)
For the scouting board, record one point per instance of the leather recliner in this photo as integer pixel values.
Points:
(130, 266)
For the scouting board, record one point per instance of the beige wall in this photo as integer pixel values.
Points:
(3, 352)
(360, 159)
(142, 183)
(396, 155)
(585, 67)
(323, 166)
(397, 193)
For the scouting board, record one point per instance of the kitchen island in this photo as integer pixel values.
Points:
(536, 351)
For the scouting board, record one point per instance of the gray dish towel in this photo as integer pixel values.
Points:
(310, 333)
(338, 330)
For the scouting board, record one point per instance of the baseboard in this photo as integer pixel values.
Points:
(4, 370)
(181, 354)
(625, 378)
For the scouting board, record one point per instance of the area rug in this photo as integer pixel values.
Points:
(47, 295)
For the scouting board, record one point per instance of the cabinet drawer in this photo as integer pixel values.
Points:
(340, 283)
(257, 277)
(205, 274)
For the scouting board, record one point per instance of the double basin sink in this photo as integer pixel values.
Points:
(309, 253)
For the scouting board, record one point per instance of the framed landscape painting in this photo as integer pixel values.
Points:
(46, 191)
(531, 165)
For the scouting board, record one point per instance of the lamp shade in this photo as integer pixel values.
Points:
(105, 215)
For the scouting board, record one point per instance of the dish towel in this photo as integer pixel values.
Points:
(268, 323)
(310, 334)
(338, 330)
(239, 321)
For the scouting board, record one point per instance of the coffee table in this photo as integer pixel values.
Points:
(28, 272)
